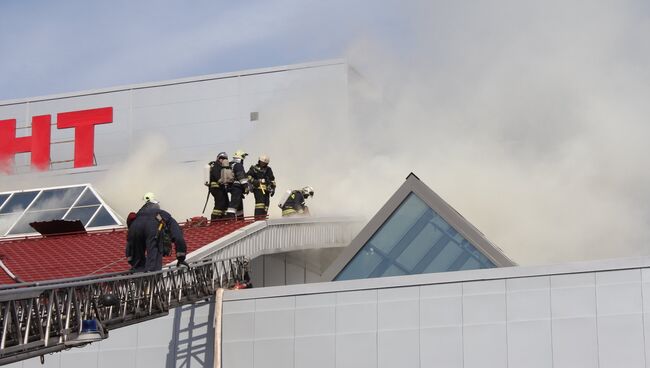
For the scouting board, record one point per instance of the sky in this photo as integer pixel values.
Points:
(78, 45)
(530, 118)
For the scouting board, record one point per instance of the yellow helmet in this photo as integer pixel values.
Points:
(149, 197)
(240, 154)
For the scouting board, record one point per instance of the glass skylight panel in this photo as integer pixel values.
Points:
(7, 221)
(56, 198)
(79, 202)
(83, 214)
(19, 202)
(23, 227)
(3, 198)
(88, 198)
(414, 240)
(102, 218)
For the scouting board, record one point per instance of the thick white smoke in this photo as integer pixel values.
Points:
(529, 119)
(177, 186)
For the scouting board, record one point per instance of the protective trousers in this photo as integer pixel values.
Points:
(261, 202)
(220, 195)
(236, 207)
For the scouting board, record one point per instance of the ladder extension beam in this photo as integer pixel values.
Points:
(41, 318)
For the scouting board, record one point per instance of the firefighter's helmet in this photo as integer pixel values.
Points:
(149, 197)
(307, 191)
(222, 155)
(265, 159)
(240, 154)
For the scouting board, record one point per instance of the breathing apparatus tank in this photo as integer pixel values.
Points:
(284, 198)
(206, 173)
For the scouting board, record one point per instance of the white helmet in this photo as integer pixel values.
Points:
(307, 191)
(265, 159)
(149, 197)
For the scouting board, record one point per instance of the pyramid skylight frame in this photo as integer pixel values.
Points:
(468, 234)
(69, 202)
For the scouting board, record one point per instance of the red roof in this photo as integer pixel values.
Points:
(56, 257)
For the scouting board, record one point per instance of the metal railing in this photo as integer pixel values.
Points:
(41, 318)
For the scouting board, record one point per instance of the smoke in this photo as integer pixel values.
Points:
(177, 186)
(529, 119)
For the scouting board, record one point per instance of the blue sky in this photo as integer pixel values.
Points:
(50, 47)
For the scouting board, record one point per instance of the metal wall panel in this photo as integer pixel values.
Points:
(529, 322)
(174, 110)
(566, 318)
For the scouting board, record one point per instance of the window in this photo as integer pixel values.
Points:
(413, 240)
(78, 202)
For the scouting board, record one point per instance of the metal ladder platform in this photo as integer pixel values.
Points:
(45, 317)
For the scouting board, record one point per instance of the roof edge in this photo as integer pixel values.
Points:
(504, 273)
(201, 78)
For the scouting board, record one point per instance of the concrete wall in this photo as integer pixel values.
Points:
(585, 315)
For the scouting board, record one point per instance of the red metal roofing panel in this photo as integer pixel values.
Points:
(37, 259)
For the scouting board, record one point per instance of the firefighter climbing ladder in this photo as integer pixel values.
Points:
(46, 317)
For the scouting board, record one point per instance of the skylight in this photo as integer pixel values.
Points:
(79, 202)
(414, 240)
(415, 232)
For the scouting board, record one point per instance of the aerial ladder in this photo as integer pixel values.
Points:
(45, 317)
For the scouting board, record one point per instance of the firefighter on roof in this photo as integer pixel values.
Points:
(150, 236)
(263, 182)
(239, 187)
(294, 204)
(221, 178)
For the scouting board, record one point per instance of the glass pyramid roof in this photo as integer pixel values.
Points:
(78, 202)
(415, 232)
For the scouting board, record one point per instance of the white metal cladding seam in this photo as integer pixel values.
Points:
(287, 236)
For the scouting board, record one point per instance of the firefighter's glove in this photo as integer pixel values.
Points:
(247, 189)
(271, 191)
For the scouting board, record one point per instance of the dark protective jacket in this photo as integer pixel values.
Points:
(143, 241)
(215, 174)
(294, 205)
(241, 179)
(256, 174)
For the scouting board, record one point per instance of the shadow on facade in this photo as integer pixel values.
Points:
(192, 344)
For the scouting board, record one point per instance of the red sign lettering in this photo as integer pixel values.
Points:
(38, 143)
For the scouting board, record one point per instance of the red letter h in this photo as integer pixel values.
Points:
(38, 144)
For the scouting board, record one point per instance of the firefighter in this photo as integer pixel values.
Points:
(294, 205)
(239, 187)
(263, 183)
(147, 234)
(220, 179)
